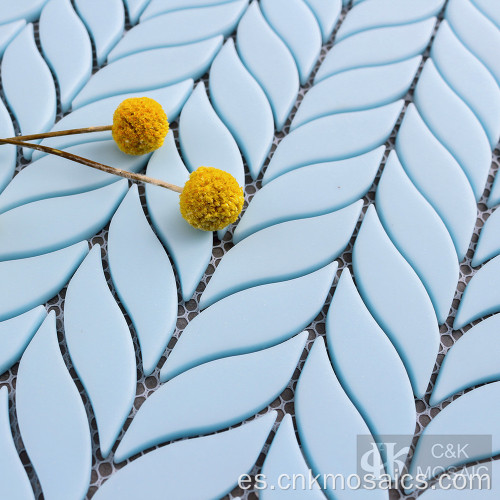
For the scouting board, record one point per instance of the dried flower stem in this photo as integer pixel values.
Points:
(59, 133)
(90, 163)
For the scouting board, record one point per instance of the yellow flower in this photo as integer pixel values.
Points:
(211, 199)
(139, 125)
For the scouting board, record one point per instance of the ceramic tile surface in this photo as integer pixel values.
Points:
(138, 353)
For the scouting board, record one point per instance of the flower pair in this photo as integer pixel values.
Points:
(211, 198)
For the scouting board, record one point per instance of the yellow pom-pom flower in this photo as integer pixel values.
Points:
(139, 125)
(211, 199)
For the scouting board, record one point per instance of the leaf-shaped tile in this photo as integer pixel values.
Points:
(135, 8)
(8, 154)
(327, 14)
(254, 319)
(282, 252)
(100, 347)
(242, 106)
(143, 278)
(481, 296)
(269, 61)
(438, 176)
(157, 7)
(355, 133)
(180, 27)
(485, 488)
(357, 89)
(205, 399)
(419, 234)
(53, 176)
(105, 22)
(150, 69)
(216, 461)
(29, 87)
(205, 140)
(189, 248)
(455, 125)
(378, 13)
(397, 300)
(489, 9)
(296, 25)
(309, 191)
(70, 61)
(14, 482)
(472, 360)
(488, 245)
(8, 32)
(494, 198)
(20, 9)
(52, 418)
(47, 225)
(329, 425)
(26, 283)
(377, 46)
(473, 414)
(285, 460)
(369, 368)
(15, 335)
(172, 99)
(466, 22)
(468, 77)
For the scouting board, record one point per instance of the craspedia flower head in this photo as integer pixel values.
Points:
(139, 125)
(211, 199)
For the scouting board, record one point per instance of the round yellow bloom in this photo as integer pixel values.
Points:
(211, 199)
(139, 125)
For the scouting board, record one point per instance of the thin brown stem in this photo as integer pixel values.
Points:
(59, 133)
(90, 163)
